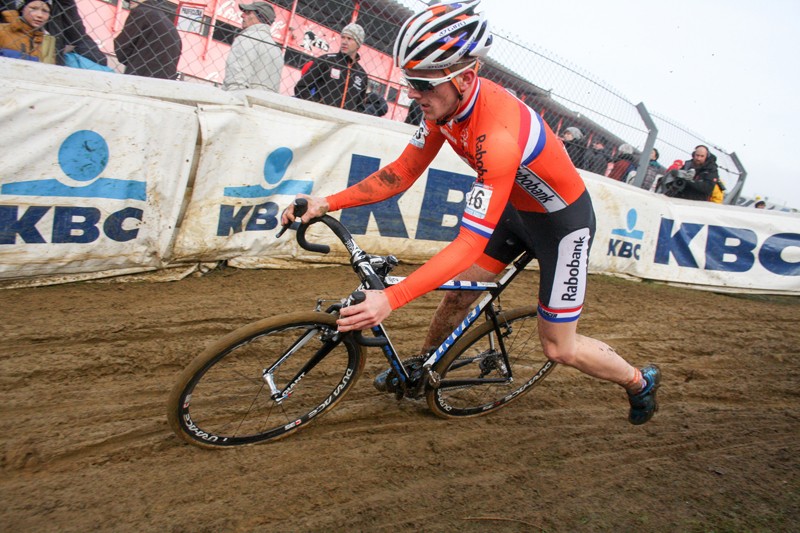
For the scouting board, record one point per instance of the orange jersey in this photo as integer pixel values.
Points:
(517, 158)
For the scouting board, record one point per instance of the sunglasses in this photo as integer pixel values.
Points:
(428, 84)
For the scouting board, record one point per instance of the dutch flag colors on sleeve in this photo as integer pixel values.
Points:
(477, 225)
(560, 315)
(531, 134)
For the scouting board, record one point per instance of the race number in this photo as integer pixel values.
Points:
(478, 200)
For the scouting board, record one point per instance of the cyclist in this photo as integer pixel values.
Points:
(527, 195)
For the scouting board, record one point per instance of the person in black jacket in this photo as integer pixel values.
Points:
(337, 79)
(149, 44)
(597, 157)
(573, 143)
(706, 175)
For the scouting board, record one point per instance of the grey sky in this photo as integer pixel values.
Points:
(724, 69)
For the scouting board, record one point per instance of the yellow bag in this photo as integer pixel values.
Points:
(717, 196)
(48, 53)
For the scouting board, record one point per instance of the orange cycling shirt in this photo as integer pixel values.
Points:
(517, 158)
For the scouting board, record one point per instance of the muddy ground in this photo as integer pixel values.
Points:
(85, 370)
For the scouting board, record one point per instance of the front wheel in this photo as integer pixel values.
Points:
(264, 381)
(476, 377)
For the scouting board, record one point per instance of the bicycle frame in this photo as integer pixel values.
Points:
(362, 264)
(484, 306)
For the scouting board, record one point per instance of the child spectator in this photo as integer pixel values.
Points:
(24, 36)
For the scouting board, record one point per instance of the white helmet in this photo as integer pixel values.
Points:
(443, 35)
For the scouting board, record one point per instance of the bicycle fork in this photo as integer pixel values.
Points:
(268, 374)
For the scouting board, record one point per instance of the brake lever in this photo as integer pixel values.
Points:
(300, 208)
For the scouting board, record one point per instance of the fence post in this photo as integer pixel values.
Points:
(649, 144)
(733, 196)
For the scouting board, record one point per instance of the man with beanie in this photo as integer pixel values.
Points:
(254, 61)
(337, 79)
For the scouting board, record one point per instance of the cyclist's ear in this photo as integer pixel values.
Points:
(465, 80)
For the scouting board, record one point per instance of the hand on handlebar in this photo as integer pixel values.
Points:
(317, 207)
(365, 315)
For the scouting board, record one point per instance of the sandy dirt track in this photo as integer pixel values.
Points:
(85, 370)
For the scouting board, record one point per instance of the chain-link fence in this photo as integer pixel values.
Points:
(211, 40)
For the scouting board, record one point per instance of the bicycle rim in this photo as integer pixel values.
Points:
(223, 398)
(475, 378)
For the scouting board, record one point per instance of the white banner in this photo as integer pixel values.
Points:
(88, 181)
(93, 183)
(699, 243)
(255, 160)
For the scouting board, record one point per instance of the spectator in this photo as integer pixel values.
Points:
(254, 61)
(66, 26)
(576, 149)
(623, 163)
(337, 79)
(696, 179)
(597, 157)
(706, 175)
(654, 172)
(149, 44)
(375, 104)
(24, 36)
(414, 116)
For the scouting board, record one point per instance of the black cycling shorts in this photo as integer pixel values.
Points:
(561, 241)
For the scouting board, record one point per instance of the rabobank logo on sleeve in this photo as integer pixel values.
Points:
(627, 242)
(82, 159)
(263, 216)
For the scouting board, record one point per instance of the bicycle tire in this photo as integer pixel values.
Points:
(466, 371)
(222, 399)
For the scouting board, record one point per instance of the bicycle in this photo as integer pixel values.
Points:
(266, 380)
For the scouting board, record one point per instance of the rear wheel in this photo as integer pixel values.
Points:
(264, 381)
(477, 379)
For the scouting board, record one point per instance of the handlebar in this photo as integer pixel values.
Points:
(359, 260)
(300, 208)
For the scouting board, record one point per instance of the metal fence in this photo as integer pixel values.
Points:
(305, 30)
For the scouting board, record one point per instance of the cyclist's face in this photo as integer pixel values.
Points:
(441, 101)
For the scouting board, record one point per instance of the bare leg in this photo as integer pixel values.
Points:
(453, 308)
(562, 344)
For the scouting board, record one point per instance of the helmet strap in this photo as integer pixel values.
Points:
(447, 71)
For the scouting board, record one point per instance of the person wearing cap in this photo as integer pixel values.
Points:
(597, 156)
(572, 142)
(254, 61)
(337, 79)
(149, 44)
(24, 36)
